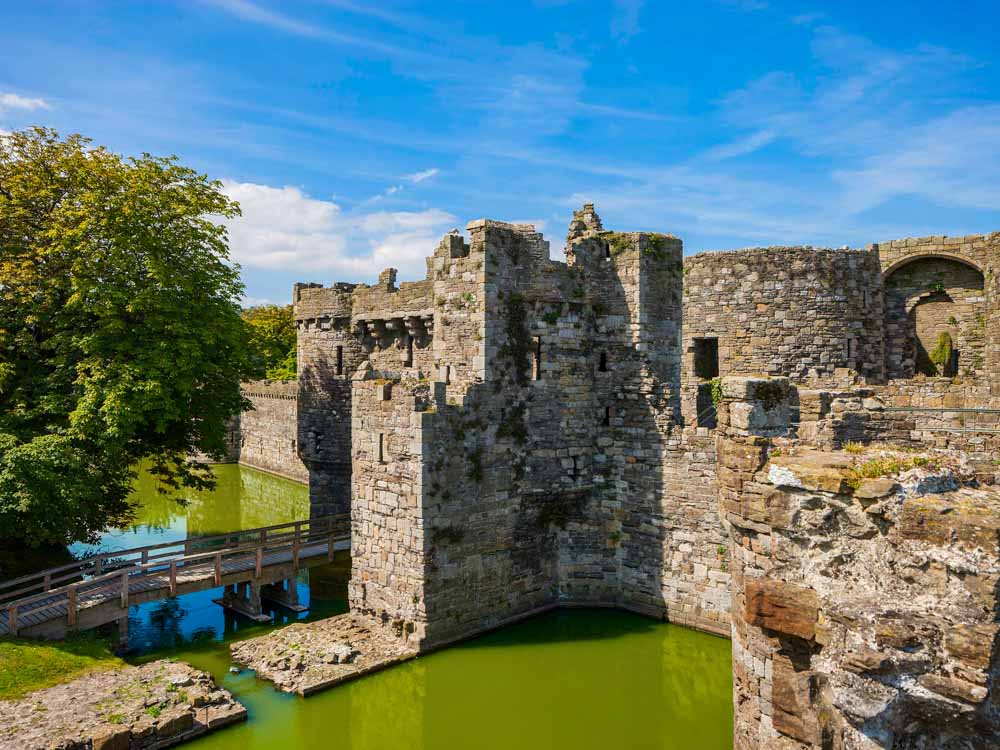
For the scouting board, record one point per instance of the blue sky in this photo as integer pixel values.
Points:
(354, 134)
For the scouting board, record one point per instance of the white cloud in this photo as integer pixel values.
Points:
(421, 176)
(256, 301)
(283, 228)
(740, 147)
(953, 160)
(9, 101)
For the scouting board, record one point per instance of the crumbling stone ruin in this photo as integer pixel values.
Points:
(514, 433)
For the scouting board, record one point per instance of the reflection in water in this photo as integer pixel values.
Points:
(577, 678)
(242, 499)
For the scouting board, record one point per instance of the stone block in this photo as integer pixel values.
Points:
(781, 607)
(111, 739)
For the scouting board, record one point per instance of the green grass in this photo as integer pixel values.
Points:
(32, 665)
(888, 466)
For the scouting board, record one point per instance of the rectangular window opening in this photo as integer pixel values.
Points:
(409, 351)
(607, 416)
(602, 365)
(706, 358)
(537, 370)
(381, 447)
(340, 360)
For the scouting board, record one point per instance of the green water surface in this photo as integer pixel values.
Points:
(572, 678)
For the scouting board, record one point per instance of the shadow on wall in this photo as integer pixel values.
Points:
(324, 434)
(930, 301)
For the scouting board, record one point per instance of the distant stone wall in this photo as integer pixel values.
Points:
(941, 284)
(863, 611)
(804, 312)
(268, 432)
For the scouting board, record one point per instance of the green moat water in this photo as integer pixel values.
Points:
(573, 678)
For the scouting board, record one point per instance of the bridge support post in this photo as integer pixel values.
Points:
(244, 598)
(122, 633)
(284, 594)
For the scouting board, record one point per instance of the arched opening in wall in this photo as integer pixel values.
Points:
(935, 319)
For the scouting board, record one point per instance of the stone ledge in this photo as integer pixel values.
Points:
(307, 658)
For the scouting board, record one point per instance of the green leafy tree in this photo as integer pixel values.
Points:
(272, 341)
(120, 332)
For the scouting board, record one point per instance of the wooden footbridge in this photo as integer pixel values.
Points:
(251, 564)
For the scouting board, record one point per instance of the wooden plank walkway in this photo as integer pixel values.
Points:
(160, 571)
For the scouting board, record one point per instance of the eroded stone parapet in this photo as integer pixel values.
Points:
(153, 706)
(307, 658)
(864, 586)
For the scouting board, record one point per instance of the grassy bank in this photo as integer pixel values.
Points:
(31, 665)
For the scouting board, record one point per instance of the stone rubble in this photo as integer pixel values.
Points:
(306, 658)
(152, 706)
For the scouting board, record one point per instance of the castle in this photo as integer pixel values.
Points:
(514, 433)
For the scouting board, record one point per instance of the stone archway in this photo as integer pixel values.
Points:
(925, 298)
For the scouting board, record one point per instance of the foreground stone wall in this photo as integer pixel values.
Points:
(863, 609)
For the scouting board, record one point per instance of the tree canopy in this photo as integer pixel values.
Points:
(120, 332)
(272, 341)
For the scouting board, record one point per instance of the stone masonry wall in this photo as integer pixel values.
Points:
(981, 252)
(863, 609)
(804, 312)
(561, 476)
(268, 433)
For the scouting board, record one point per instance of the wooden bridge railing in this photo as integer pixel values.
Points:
(108, 574)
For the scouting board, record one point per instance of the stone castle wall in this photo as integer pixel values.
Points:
(574, 391)
(544, 481)
(863, 609)
(513, 433)
(938, 284)
(267, 433)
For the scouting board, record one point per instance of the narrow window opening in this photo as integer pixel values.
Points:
(602, 364)
(409, 351)
(607, 416)
(340, 360)
(447, 374)
(706, 358)
(537, 370)
(607, 251)
(573, 471)
(381, 447)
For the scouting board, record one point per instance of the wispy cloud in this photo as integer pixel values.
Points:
(286, 229)
(259, 14)
(10, 101)
(421, 176)
(871, 125)
(248, 11)
(625, 21)
(747, 5)
(740, 147)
